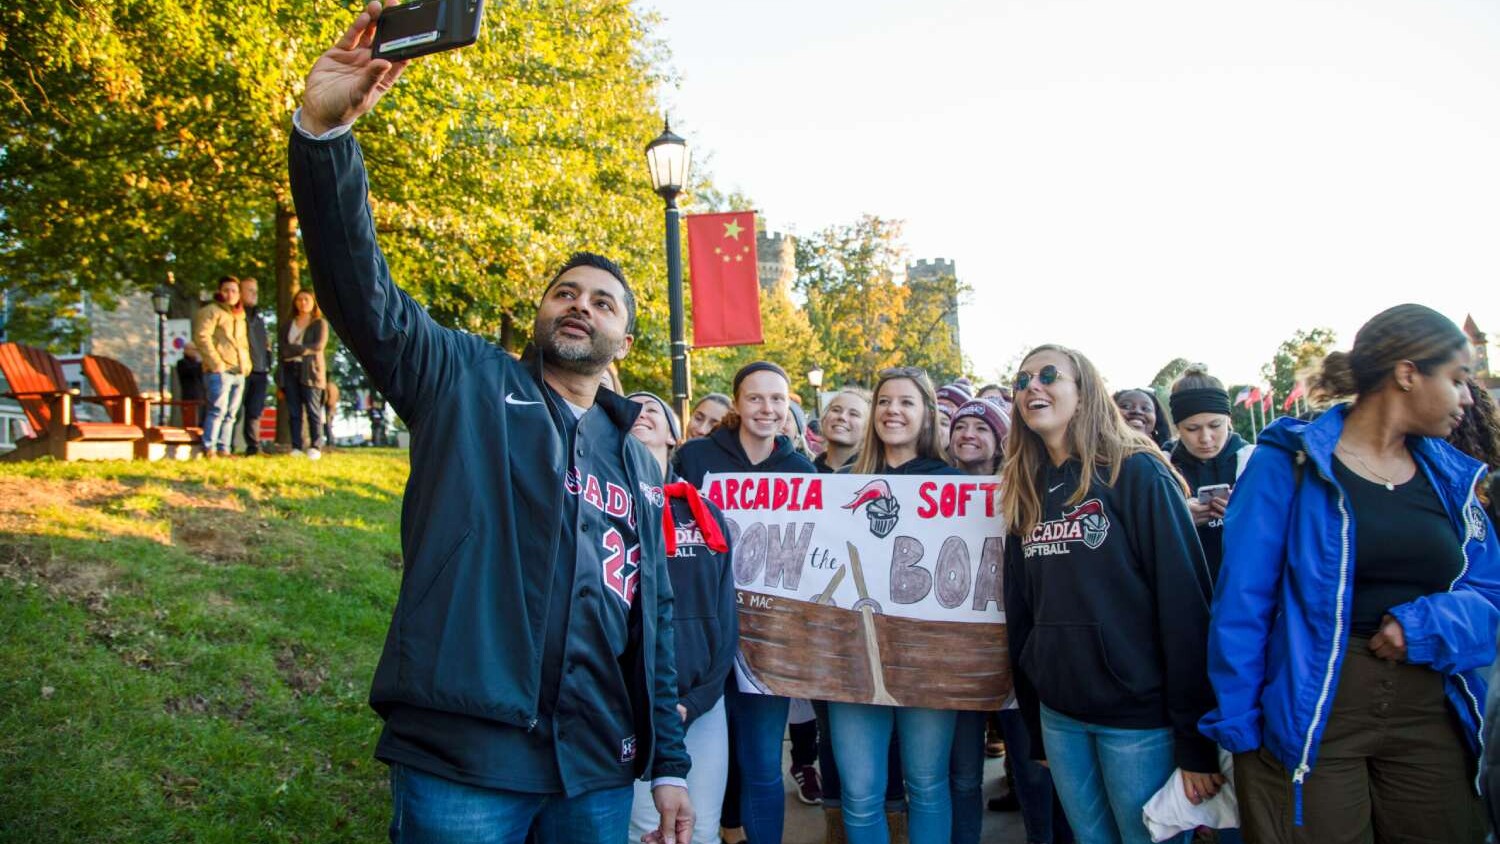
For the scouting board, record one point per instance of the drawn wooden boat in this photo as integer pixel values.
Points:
(817, 650)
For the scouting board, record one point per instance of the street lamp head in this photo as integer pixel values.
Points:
(815, 377)
(668, 159)
(161, 300)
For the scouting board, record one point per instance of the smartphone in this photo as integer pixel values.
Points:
(426, 26)
(1209, 493)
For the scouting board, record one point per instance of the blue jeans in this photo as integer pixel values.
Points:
(1105, 775)
(225, 391)
(966, 776)
(861, 743)
(759, 724)
(1041, 813)
(427, 809)
(895, 787)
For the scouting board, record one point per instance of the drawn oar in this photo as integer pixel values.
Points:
(827, 596)
(867, 607)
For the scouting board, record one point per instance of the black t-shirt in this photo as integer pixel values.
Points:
(1405, 545)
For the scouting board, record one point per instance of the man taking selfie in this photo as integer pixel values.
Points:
(527, 677)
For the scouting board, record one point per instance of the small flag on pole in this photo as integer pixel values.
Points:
(1243, 398)
(1298, 391)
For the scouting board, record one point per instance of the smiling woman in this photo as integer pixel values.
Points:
(1101, 540)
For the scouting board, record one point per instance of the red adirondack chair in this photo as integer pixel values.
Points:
(36, 381)
(115, 386)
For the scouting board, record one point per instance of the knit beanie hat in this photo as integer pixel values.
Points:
(991, 412)
(954, 393)
(665, 411)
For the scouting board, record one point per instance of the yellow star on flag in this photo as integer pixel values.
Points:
(733, 229)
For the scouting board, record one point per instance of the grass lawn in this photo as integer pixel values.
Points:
(186, 649)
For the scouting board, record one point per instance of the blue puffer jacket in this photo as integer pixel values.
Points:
(1280, 614)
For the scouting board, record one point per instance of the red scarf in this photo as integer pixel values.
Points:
(706, 521)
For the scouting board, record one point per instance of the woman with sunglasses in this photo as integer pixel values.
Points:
(901, 439)
(750, 440)
(1106, 602)
(1143, 412)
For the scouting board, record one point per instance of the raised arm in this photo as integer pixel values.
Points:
(407, 355)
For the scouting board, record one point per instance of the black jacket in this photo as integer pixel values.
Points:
(1106, 607)
(915, 466)
(704, 615)
(482, 512)
(1224, 468)
(260, 343)
(721, 452)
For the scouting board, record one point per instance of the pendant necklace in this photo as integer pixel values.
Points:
(1390, 487)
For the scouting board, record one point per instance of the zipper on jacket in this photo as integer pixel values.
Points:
(1300, 774)
(1474, 703)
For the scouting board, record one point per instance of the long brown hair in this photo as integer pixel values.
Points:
(1097, 436)
(317, 312)
(1413, 333)
(871, 459)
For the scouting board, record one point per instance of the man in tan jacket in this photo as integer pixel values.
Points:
(222, 339)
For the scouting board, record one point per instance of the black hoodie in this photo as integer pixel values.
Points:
(721, 452)
(914, 466)
(1223, 468)
(704, 615)
(1106, 607)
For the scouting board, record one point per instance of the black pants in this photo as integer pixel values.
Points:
(253, 406)
(300, 399)
(1392, 767)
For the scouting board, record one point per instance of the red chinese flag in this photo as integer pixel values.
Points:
(726, 285)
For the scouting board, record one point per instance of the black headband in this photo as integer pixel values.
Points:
(759, 366)
(1192, 402)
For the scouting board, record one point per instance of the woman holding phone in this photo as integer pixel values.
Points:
(1208, 453)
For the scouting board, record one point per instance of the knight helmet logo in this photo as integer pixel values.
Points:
(1090, 516)
(881, 507)
(1478, 524)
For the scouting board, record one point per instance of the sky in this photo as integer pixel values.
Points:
(1139, 180)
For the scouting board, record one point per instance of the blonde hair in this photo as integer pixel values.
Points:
(871, 459)
(1097, 435)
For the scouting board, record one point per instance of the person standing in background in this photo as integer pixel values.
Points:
(219, 332)
(257, 380)
(707, 413)
(304, 374)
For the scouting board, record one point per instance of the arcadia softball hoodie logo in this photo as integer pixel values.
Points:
(1085, 523)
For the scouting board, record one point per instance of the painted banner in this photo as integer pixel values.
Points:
(869, 589)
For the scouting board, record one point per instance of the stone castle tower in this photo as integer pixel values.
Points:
(776, 260)
(928, 272)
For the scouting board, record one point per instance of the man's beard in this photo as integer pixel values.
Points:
(589, 357)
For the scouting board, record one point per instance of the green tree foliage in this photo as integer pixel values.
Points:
(925, 336)
(1162, 382)
(864, 316)
(1294, 357)
(143, 136)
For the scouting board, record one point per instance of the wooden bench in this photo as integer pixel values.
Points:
(36, 381)
(116, 388)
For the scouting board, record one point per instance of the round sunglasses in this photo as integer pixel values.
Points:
(1047, 377)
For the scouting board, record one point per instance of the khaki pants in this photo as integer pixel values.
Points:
(1392, 767)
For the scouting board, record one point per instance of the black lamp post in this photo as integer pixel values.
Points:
(161, 301)
(667, 157)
